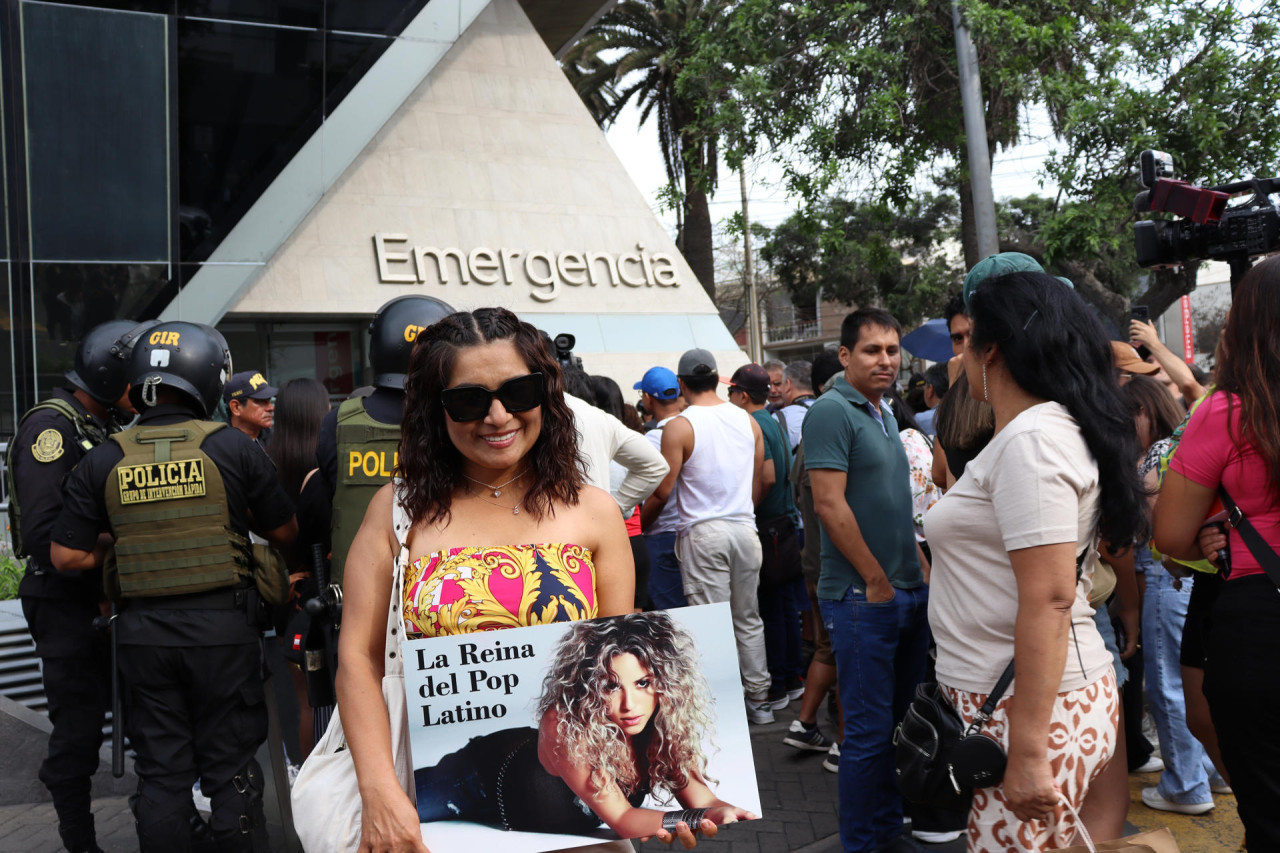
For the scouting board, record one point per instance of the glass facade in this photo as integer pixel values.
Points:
(134, 136)
(335, 354)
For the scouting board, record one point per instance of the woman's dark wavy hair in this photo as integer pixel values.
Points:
(1144, 394)
(901, 411)
(1249, 363)
(1056, 349)
(430, 465)
(607, 395)
(963, 423)
(300, 407)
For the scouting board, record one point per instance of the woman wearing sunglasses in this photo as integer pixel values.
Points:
(489, 523)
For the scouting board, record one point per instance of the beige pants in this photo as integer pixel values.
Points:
(720, 561)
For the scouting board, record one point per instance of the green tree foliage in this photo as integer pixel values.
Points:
(635, 53)
(1109, 272)
(869, 91)
(869, 253)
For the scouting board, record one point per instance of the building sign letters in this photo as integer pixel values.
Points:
(545, 272)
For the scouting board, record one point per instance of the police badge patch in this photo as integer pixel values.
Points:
(48, 446)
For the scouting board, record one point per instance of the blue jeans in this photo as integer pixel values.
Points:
(781, 614)
(881, 650)
(1102, 618)
(1187, 769)
(666, 587)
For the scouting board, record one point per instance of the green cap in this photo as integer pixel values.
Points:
(1004, 263)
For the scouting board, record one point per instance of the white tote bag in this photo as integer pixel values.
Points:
(326, 799)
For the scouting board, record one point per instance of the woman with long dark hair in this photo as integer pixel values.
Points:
(300, 407)
(1185, 785)
(1009, 539)
(963, 425)
(488, 502)
(1230, 450)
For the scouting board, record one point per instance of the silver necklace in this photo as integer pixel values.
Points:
(497, 490)
(515, 510)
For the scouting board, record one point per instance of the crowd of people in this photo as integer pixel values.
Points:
(1103, 517)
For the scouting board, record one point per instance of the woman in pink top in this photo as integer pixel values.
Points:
(1232, 443)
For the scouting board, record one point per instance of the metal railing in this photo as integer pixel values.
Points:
(793, 332)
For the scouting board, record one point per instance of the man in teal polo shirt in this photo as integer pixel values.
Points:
(871, 589)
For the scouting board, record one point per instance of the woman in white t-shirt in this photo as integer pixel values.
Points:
(1057, 475)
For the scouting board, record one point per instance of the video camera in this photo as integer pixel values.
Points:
(1208, 229)
(564, 343)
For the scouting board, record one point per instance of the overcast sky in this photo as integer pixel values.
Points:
(1014, 173)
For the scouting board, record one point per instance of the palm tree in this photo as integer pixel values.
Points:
(635, 53)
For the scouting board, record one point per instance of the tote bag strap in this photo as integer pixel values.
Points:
(1080, 827)
(393, 664)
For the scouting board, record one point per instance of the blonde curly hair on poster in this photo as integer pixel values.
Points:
(577, 689)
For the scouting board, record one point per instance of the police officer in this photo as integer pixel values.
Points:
(357, 447)
(178, 494)
(51, 438)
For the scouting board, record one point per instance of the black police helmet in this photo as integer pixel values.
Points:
(189, 357)
(102, 368)
(393, 331)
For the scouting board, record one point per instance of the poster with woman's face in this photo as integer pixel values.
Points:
(572, 734)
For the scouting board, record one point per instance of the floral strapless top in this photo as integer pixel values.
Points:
(463, 590)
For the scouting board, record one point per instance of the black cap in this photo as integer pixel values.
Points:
(248, 384)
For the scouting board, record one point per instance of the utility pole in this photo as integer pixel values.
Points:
(975, 133)
(755, 341)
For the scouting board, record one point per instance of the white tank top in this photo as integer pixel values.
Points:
(715, 481)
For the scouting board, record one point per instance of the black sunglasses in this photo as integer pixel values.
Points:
(472, 402)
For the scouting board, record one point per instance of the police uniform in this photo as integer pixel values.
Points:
(356, 452)
(358, 443)
(60, 609)
(188, 634)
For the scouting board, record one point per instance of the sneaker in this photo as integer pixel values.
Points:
(778, 701)
(807, 737)
(795, 689)
(936, 837)
(832, 761)
(1221, 788)
(1152, 799)
(1152, 765)
(759, 711)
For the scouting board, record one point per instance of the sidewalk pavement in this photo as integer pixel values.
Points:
(798, 799)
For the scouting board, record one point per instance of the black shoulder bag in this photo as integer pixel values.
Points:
(936, 758)
(939, 761)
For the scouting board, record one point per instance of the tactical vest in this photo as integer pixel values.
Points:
(368, 452)
(88, 436)
(168, 508)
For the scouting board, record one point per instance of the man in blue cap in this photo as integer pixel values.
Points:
(661, 395)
